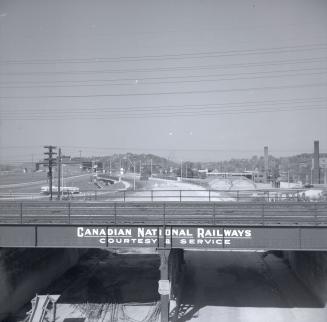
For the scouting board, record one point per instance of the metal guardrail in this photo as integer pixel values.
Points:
(164, 213)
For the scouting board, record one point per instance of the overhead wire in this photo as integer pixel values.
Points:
(119, 148)
(184, 79)
(166, 69)
(207, 54)
(95, 116)
(197, 107)
(189, 92)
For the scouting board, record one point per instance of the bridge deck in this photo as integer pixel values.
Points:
(169, 213)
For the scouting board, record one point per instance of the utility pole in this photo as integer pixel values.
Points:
(51, 163)
(134, 174)
(266, 163)
(134, 168)
(59, 173)
(151, 167)
(32, 167)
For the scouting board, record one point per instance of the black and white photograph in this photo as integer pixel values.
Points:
(163, 161)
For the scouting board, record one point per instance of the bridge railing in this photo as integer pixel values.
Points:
(164, 213)
(271, 195)
(181, 195)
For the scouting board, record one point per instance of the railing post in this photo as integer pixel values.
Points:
(268, 196)
(214, 213)
(21, 212)
(180, 195)
(263, 214)
(209, 195)
(124, 195)
(238, 196)
(164, 214)
(164, 224)
(95, 195)
(69, 213)
(115, 213)
(152, 195)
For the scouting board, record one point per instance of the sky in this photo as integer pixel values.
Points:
(187, 80)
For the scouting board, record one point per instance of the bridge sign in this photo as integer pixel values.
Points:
(186, 237)
(179, 237)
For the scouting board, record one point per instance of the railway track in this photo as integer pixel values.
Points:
(164, 213)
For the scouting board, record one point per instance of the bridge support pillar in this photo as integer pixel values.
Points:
(164, 284)
(170, 284)
(176, 273)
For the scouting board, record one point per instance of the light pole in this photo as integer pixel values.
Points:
(62, 174)
(133, 165)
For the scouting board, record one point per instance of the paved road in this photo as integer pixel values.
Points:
(218, 286)
(244, 287)
(29, 186)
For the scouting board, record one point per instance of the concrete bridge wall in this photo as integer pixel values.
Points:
(311, 268)
(24, 272)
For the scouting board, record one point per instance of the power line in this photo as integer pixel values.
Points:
(261, 51)
(143, 81)
(119, 148)
(177, 68)
(131, 114)
(145, 110)
(197, 107)
(166, 114)
(171, 92)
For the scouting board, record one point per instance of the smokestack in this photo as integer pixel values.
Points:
(316, 165)
(266, 163)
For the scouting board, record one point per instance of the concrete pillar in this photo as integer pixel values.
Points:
(164, 276)
(176, 261)
(316, 164)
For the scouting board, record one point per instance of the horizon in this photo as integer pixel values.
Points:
(136, 154)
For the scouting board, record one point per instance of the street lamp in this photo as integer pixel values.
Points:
(133, 165)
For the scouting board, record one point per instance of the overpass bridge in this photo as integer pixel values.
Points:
(167, 227)
(284, 225)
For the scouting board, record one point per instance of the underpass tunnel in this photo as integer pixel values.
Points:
(234, 285)
(311, 268)
(251, 286)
